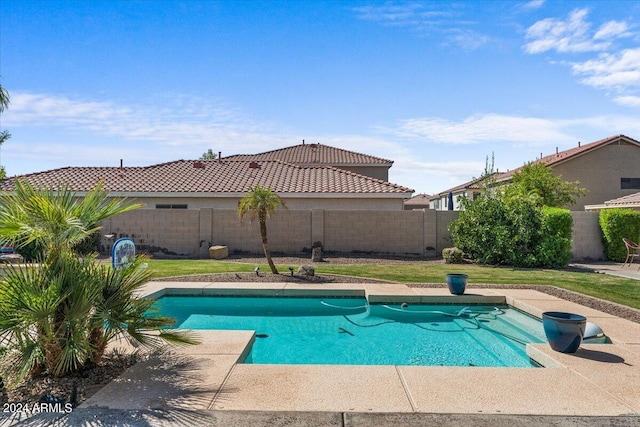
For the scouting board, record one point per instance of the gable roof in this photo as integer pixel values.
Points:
(550, 160)
(418, 199)
(629, 199)
(562, 156)
(469, 185)
(316, 154)
(214, 178)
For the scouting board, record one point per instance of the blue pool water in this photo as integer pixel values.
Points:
(348, 331)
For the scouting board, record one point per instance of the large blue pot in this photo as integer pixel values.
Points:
(457, 283)
(564, 331)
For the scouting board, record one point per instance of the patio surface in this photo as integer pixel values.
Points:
(598, 380)
(204, 384)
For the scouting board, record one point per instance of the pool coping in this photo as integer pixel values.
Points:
(598, 380)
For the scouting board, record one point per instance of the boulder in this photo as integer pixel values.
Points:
(306, 270)
(218, 252)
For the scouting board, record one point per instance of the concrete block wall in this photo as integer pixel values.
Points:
(190, 232)
(172, 232)
(287, 231)
(374, 231)
(587, 237)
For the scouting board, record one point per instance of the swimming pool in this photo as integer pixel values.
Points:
(349, 331)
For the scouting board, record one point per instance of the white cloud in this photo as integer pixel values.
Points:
(486, 127)
(628, 101)
(612, 29)
(419, 18)
(571, 35)
(178, 123)
(619, 71)
(534, 4)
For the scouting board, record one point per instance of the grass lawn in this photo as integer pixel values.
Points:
(611, 288)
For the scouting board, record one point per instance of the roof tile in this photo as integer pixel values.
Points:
(224, 176)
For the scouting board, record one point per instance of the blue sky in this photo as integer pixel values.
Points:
(435, 86)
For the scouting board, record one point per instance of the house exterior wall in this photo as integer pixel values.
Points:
(377, 172)
(600, 171)
(190, 232)
(292, 203)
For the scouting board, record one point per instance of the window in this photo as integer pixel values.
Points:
(170, 206)
(629, 183)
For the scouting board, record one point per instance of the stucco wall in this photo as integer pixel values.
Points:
(293, 203)
(600, 172)
(190, 232)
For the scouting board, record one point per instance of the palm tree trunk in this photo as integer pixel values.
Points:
(265, 246)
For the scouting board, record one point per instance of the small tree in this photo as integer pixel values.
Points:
(536, 181)
(4, 134)
(261, 203)
(209, 155)
(59, 316)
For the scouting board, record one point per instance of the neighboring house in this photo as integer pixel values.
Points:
(221, 183)
(449, 200)
(419, 201)
(632, 201)
(325, 155)
(608, 169)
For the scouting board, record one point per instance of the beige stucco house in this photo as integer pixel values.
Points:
(221, 183)
(608, 169)
(324, 155)
(419, 201)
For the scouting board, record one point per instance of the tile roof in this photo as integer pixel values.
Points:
(563, 156)
(629, 199)
(469, 185)
(315, 154)
(418, 199)
(212, 176)
(550, 160)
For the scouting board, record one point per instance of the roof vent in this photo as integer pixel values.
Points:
(198, 165)
(254, 165)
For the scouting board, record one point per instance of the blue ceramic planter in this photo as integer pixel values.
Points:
(457, 283)
(564, 331)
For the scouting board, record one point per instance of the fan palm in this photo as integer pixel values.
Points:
(261, 202)
(60, 315)
(55, 219)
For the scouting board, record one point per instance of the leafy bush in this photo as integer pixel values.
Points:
(615, 225)
(555, 247)
(452, 255)
(514, 231)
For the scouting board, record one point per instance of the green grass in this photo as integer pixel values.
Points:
(611, 288)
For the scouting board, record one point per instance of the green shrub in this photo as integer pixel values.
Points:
(615, 225)
(452, 256)
(514, 231)
(555, 247)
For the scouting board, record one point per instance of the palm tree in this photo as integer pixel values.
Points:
(60, 316)
(261, 202)
(56, 220)
(4, 104)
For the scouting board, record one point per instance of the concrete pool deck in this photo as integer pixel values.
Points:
(600, 380)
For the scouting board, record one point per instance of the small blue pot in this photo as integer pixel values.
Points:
(564, 331)
(457, 283)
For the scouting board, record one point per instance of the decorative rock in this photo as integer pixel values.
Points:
(306, 270)
(316, 254)
(218, 252)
